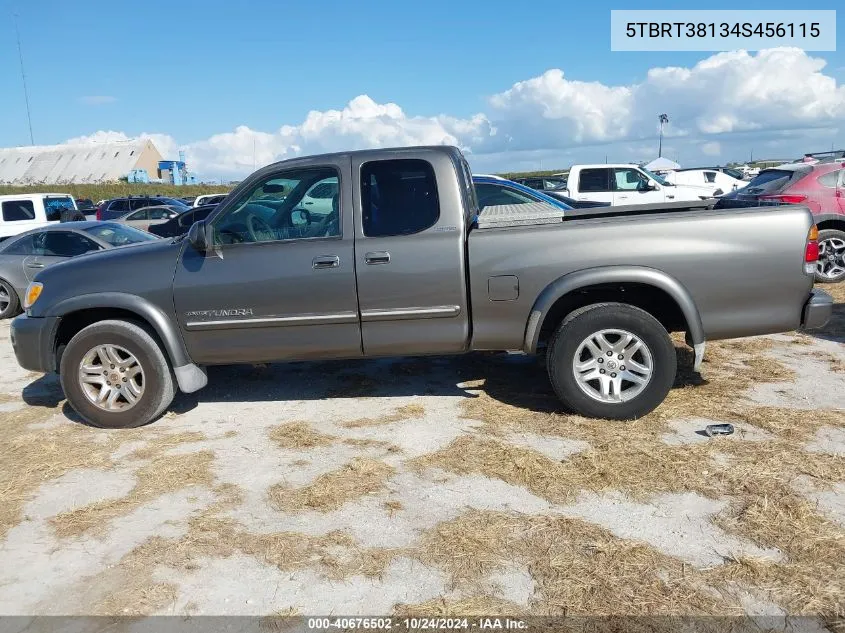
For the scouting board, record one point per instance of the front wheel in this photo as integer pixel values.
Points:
(611, 360)
(830, 267)
(115, 375)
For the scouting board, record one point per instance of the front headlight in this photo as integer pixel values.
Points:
(33, 291)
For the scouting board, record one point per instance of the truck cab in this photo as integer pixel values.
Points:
(624, 184)
(23, 212)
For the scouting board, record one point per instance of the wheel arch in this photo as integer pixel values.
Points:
(76, 313)
(640, 286)
(830, 221)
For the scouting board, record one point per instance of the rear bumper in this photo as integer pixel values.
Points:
(32, 340)
(817, 310)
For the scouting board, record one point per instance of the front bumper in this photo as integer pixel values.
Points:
(817, 310)
(33, 342)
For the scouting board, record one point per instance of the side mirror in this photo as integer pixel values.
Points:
(652, 185)
(198, 236)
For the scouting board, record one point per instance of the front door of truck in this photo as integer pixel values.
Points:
(631, 187)
(279, 284)
(410, 255)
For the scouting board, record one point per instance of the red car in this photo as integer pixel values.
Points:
(818, 185)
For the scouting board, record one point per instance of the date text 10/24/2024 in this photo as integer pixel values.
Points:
(417, 624)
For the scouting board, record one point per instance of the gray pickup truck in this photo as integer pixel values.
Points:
(400, 260)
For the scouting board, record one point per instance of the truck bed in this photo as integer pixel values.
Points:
(537, 213)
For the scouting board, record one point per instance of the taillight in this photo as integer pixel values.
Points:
(785, 198)
(99, 214)
(811, 252)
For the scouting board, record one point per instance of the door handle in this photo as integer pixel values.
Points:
(325, 261)
(377, 257)
(35, 265)
(309, 202)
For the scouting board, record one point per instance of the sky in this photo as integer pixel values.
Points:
(517, 87)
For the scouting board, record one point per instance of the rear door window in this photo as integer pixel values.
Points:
(832, 178)
(594, 180)
(119, 206)
(398, 197)
(138, 215)
(18, 210)
(64, 244)
(159, 214)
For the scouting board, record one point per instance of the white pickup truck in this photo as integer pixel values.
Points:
(625, 184)
(24, 211)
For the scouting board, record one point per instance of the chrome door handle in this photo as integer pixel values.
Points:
(377, 257)
(325, 261)
(35, 265)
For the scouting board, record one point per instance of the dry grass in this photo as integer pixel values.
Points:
(165, 473)
(295, 435)
(407, 412)
(837, 291)
(361, 476)
(631, 457)
(577, 568)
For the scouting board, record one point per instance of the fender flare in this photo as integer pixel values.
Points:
(829, 217)
(167, 331)
(613, 274)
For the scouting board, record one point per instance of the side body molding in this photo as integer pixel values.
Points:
(615, 274)
(189, 376)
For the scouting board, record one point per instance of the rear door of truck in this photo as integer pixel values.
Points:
(410, 252)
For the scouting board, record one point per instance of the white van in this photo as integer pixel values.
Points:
(21, 212)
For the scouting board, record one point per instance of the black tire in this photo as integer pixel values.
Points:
(14, 306)
(158, 384)
(72, 215)
(837, 237)
(586, 321)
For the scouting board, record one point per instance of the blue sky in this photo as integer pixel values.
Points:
(192, 70)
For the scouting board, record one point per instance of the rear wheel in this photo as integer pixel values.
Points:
(611, 360)
(115, 375)
(830, 267)
(10, 305)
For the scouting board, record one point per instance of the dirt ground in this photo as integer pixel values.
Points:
(435, 486)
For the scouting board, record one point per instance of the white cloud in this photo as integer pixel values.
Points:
(711, 148)
(97, 99)
(778, 100)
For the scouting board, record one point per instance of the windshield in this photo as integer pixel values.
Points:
(119, 234)
(658, 179)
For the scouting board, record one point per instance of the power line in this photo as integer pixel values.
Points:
(23, 79)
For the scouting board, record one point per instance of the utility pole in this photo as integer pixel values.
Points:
(664, 119)
(23, 79)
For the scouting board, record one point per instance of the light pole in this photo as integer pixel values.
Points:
(23, 79)
(664, 119)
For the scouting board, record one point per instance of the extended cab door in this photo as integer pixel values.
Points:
(278, 284)
(410, 253)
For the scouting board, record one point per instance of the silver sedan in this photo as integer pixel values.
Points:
(24, 256)
(146, 217)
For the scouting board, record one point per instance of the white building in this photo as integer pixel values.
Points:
(87, 163)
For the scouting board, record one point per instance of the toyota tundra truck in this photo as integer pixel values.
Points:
(405, 263)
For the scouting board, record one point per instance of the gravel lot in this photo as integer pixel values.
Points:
(438, 485)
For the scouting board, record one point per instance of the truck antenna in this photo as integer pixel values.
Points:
(23, 79)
